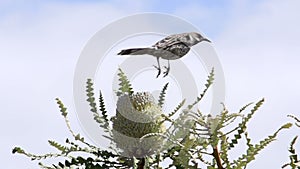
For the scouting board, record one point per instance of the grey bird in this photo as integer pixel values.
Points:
(170, 48)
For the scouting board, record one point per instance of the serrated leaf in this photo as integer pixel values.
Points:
(162, 95)
(57, 146)
(207, 85)
(179, 106)
(242, 126)
(124, 85)
(63, 109)
(102, 108)
(90, 95)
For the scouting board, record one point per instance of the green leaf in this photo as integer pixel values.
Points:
(90, 95)
(253, 150)
(207, 85)
(102, 108)
(162, 95)
(297, 123)
(125, 86)
(242, 126)
(58, 146)
(286, 126)
(179, 106)
(18, 150)
(63, 109)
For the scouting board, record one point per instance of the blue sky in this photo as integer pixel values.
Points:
(219, 11)
(40, 41)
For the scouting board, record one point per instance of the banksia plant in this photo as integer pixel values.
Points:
(141, 139)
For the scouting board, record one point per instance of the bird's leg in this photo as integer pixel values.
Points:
(157, 67)
(167, 69)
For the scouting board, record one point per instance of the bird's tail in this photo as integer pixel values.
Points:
(135, 51)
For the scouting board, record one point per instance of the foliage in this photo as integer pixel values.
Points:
(192, 139)
(211, 136)
(96, 158)
(294, 159)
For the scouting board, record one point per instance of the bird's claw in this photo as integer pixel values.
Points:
(167, 71)
(159, 70)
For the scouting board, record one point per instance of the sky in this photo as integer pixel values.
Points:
(257, 43)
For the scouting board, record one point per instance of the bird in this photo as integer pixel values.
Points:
(172, 47)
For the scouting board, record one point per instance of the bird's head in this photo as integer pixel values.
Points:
(198, 38)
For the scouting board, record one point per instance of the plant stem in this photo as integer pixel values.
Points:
(157, 160)
(217, 157)
(141, 163)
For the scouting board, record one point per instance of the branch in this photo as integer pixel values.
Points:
(217, 157)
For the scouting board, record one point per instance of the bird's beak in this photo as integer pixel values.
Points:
(207, 40)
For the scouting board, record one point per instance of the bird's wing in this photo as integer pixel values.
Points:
(179, 50)
(168, 41)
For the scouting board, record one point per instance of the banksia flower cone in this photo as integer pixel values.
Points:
(136, 116)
